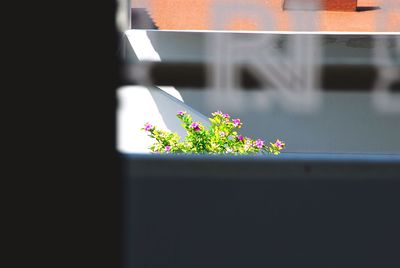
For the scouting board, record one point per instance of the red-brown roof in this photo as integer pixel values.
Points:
(197, 14)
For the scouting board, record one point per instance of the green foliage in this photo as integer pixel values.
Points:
(220, 138)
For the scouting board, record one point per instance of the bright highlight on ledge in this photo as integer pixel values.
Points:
(219, 138)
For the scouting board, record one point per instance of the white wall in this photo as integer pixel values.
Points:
(343, 122)
(138, 105)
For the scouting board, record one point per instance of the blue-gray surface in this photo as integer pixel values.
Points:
(293, 210)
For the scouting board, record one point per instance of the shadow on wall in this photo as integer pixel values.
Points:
(141, 19)
(367, 8)
(346, 121)
(168, 106)
(138, 105)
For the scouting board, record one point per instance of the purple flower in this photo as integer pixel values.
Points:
(240, 138)
(259, 143)
(167, 148)
(148, 126)
(279, 144)
(236, 122)
(222, 134)
(226, 116)
(195, 126)
(181, 113)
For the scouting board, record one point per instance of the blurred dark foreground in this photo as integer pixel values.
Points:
(293, 210)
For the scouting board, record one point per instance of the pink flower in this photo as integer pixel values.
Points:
(240, 138)
(181, 113)
(167, 148)
(226, 116)
(236, 122)
(222, 134)
(148, 126)
(279, 144)
(259, 143)
(195, 126)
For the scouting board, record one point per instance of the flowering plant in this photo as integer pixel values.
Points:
(220, 137)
